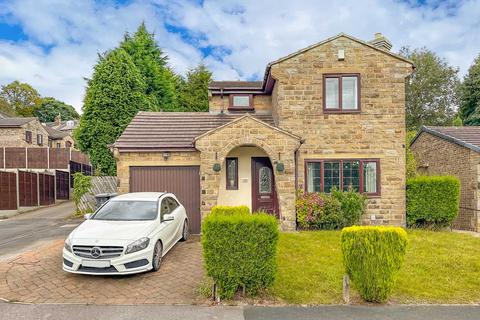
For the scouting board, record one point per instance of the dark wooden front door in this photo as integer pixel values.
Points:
(264, 196)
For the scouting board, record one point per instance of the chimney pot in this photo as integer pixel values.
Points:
(381, 42)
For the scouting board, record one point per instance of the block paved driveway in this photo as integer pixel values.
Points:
(37, 277)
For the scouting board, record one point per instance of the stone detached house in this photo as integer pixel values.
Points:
(30, 132)
(329, 115)
(453, 151)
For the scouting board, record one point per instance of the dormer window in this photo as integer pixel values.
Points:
(341, 93)
(241, 102)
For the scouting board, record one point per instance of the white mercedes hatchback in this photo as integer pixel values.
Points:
(128, 234)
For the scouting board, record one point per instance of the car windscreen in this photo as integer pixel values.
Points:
(127, 210)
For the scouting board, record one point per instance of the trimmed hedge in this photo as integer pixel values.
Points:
(240, 250)
(432, 200)
(229, 210)
(329, 211)
(372, 256)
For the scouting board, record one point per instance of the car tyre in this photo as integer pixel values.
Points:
(157, 256)
(185, 231)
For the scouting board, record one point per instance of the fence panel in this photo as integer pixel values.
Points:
(46, 189)
(27, 189)
(15, 158)
(63, 186)
(1, 157)
(37, 158)
(59, 158)
(99, 185)
(8, 191)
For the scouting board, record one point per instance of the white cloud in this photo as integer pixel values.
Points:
(248, 34)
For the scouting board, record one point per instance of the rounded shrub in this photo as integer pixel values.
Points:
(240, 251)
(432, 201)
(372, 257)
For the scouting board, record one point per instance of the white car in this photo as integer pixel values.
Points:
(128, 234)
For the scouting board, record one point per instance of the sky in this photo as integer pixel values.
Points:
(53, 44)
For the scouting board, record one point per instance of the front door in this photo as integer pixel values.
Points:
(264, 196)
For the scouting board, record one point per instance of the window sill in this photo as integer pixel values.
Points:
(247, 109)
(331, 111)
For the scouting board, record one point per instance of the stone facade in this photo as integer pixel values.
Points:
(15, 137)
(436, 156)
(377, 131)
(215, 145)
(127, 159)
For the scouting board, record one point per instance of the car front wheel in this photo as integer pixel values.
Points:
(185, 231)
(157, 256)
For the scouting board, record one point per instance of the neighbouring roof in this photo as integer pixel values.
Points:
(468, 137)
(55, 134)
(15, 122)
(64, 125)
(173, 131)
(267, 83)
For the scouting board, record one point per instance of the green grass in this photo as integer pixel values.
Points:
(440, 267)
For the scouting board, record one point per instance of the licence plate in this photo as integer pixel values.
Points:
(96, 263)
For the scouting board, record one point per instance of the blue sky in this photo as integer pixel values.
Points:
(53, 44)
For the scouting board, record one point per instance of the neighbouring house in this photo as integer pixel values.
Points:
(66, 126)
(329, 115)
(453, 151)
(29, 132)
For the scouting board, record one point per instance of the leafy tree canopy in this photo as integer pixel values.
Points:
(152, 64)
(49, 108)
(21, 97)
(193, 91)
(470, 95)
(432, 90)
(114, 95)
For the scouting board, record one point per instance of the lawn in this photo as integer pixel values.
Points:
(440, 267)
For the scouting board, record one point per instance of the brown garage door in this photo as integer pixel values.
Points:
(184, 182)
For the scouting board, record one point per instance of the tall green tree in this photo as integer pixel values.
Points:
(21, 97)
(193, 90)
(470, 95)
(114, 95)
(431, 91)
(153, 65)
(49, 108)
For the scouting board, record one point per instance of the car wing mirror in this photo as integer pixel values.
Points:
(87, 216)
(168, 217)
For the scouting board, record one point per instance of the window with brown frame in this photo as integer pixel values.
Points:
(68, 144)
(241, 102)
(28, 136)
(232, 173)
(363, 175)
(39, 139)
(341, 92)
(59, 145)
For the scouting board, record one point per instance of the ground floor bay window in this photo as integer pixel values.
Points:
(363, 175)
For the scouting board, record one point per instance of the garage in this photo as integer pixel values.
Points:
(183, 181)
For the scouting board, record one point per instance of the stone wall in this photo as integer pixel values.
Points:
(247, 131)
(261, 103)
(436, 156)
(378, 131)
(127, 159)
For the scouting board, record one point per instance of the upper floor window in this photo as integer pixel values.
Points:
(361, 175)
(241, 102)
(28, 136)
(59, 145)
(68, 144)
(39, 139)
(232, 173)
(341, 92)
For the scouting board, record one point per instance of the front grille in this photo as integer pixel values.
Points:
(110, 269)
(107, 251)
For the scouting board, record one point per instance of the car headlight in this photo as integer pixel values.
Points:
(138, 245)
(68, 245)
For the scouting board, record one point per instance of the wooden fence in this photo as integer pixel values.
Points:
(99, 185)
(40, 158)
(8, 191)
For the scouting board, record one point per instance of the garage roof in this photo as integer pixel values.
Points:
(172, 131)
(468, 137)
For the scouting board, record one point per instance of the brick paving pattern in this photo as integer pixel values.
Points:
(37, 277)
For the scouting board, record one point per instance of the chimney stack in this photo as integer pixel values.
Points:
(381, 42)
(58, 120)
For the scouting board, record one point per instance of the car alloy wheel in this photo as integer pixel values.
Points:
(157, 256)
(185, 231)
